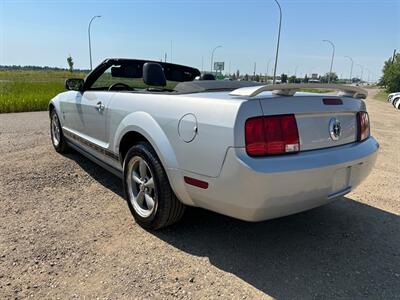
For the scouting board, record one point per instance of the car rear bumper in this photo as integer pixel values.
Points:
(256, 189)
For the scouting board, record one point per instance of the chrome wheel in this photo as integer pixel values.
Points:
(140, 183)
(55, 130)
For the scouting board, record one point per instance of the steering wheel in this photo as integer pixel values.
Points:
(120, 84)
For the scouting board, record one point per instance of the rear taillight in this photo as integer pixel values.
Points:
(272, 135)
(363, 125)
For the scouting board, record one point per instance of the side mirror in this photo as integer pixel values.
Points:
(74, 84)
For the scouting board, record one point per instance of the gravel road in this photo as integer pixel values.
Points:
(66, 232)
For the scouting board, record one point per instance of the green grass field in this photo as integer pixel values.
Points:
(381, 96)
(30, 90)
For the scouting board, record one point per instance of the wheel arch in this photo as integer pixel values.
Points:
(142, 127)
(129, 139)
(51, 107)
(54, 105)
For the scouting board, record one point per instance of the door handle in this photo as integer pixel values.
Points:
(100, 106)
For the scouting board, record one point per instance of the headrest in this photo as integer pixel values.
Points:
(153, 74)
(207, 76)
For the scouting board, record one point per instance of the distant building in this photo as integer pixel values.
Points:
(314, 78)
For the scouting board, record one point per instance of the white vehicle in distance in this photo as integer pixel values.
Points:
(392, 96)
(238, 148)
(396, 102)
(393, 99)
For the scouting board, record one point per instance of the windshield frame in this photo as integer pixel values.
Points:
(95, 74)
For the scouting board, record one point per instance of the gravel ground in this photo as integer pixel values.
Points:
(66, 232)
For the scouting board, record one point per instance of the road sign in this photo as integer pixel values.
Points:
(219, 66)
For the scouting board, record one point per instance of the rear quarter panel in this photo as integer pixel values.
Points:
(216, 120)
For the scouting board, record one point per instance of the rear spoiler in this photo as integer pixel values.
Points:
(292, 88)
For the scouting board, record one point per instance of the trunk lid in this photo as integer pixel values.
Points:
(320, 125)
(323, 130)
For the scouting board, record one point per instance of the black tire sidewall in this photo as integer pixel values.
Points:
(61, 147)
(161, 183)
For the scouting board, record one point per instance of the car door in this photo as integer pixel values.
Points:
(91, 116)
(68, 109)
(85, 121)
(90, 112)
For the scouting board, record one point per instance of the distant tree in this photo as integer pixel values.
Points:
(256, 78)
(292, 79)
(305, 79)
(284, 78)
(246, 77)
(70, 63)
(38, 68)
(391, 74)
(333, 77)
(237, 74)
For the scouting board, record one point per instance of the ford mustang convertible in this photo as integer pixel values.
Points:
(178, 138)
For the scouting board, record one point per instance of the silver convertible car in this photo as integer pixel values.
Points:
(178, 138)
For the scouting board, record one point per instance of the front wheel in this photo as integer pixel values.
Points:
(57, 137)
(150, 197)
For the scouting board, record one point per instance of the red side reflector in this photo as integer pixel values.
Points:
(196, 182)
(332, 101)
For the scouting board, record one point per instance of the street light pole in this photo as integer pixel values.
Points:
(362, 71)
(266, 79)
(90, 45)
(351, 68)
(170, 54)
(212, 57)
(333, 55)
(295, 71)
(369, 74)
(277, 43)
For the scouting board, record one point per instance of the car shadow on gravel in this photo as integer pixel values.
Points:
(342, 250)
(345, 249)
(105, 178)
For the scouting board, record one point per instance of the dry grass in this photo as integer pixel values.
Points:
(381, 96)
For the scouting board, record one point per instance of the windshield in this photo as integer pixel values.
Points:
(109, 78)
(127, 75)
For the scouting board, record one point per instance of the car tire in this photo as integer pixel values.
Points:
(150, 198)
(57, 136)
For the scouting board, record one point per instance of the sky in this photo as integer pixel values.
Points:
(44, 33)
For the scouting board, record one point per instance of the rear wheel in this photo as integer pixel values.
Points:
(150, 197)
(57, 137)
